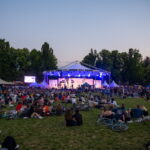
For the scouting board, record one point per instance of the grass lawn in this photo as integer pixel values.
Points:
(51, 134)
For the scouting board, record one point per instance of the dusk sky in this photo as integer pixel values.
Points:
(73, 27)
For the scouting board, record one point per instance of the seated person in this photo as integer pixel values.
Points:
(113, 102)
(36, 115)
(47, 109)
(59, 109)
(106, 113)
(144, 110)
(120, 112)
(69, 118)
(127, 115)
(19, 106)
(103, 101)
(78, 118)
(24, 111)
(9, 143)
(137, 112)
(31, 111)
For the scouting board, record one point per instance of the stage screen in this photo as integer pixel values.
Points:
(29, 79)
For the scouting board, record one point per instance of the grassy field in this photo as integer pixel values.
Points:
(51, 134)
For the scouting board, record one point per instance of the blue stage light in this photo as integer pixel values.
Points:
(100, 74)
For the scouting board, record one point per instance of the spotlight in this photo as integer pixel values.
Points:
(100, 74)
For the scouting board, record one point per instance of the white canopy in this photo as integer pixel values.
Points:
(113, 84)
(105, 84)
(5, 82)
(74, 66)
(43, 84)
(35, 84)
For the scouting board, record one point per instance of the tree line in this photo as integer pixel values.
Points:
(125, 67)
(15, 63)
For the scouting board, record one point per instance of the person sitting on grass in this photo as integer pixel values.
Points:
(19, 106)
(107, 113)
(137, 113)
(47, 109)
(144, 110)
(9, 143)
(69, 118)
(113, 102)
(127, 116)
(59, 109)
(120, 112)
(78, 118)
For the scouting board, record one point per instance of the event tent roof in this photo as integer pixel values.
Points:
(74, 66)
(35, 84)
(79, 66)
(105, 84)
(113, 84)
(5, 82)
(43, 84)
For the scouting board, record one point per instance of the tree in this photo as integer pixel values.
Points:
(7, 61)
(104, 60)
(124, 67)
(15, 63)
(116, 65)
(134, 64)
(146, 65)
(36, 60)
(90, 59)
(49, 61)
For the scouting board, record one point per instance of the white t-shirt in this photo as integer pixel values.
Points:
(74, 101)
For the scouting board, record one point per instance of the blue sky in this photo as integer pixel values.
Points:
(73, 27)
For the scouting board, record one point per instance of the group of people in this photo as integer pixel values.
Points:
(124, 114)
(73, 119)
(36, 102)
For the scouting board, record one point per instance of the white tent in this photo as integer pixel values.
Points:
(5, 82)
(105, 84)
(113, 84)
(43, 84)
(35, 84)
(74, 66)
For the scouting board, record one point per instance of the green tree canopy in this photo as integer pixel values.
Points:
(15, 63)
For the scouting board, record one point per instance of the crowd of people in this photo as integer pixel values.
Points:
(121, 113)
(26, 102)
(37, 103)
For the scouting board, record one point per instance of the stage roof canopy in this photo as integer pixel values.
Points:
(79, 66)
(74, 66)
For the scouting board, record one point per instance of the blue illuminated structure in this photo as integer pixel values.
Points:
(77, 70)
